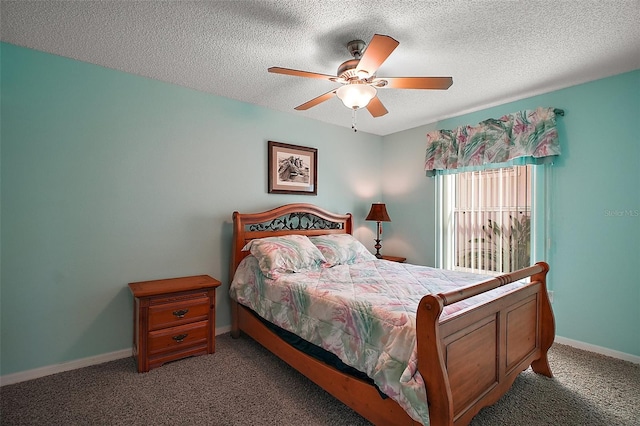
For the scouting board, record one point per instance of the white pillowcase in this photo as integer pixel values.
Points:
(285, 254)
(342, 249)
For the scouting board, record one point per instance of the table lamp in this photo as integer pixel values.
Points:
(379, 214)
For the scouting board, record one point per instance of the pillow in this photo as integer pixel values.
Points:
(342, 249)
(285, 254)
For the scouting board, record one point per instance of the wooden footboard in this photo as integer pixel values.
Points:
(470, 359)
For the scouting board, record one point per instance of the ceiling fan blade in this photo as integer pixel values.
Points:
(376, 108)
(378, 50)
(298, 73)
(315, 101)
(436, 83)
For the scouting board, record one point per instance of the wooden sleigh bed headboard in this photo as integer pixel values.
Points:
(298, 218)
(492, 342)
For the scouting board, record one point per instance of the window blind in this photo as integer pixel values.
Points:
(491, 215)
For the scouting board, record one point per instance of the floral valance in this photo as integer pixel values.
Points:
(528, 133)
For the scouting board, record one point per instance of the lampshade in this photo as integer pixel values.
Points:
(378, 213)
(356, 95)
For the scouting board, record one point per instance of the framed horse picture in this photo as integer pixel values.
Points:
(292, 169)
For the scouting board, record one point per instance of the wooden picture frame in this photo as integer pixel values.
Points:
(292, 169)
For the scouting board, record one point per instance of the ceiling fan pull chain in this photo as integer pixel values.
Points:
(353, 119)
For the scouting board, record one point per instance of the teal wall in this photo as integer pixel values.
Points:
(109, 178)
(595, 206)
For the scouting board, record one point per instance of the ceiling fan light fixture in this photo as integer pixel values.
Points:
(356, 95)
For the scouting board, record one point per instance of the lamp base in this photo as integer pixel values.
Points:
(378, 246)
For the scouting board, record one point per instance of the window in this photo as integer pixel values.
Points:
(486, 220)
(494, 220)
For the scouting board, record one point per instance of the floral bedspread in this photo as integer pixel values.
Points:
(364, 313)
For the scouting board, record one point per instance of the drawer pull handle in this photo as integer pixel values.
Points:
(180, 337)
(181, 313)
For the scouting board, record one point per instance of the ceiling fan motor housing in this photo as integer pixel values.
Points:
(347, 70)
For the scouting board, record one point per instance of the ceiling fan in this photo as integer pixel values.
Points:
(358, 77)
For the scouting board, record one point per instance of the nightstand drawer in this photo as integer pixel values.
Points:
(176, 338)
(183, 312)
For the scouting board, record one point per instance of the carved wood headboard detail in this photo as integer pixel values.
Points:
(296, 218)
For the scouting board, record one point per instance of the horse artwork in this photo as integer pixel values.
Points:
(293, 169)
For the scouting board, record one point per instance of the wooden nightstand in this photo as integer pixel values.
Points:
(173, 319)
(394, 258)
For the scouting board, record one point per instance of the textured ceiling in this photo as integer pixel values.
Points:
(496, 51)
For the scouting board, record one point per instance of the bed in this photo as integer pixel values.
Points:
(467, 344)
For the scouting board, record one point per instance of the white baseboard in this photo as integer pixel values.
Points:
(22, 376)
(222, 330)
(598, 349)
(9, 379)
